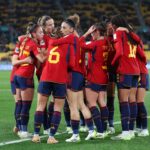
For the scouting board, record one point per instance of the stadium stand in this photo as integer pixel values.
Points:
(15, 15)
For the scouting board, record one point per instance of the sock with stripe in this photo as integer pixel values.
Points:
(125, 115)
(25, 114)
(110, 105)
(55, 122)
(38, 120)
(133, 115)
(96, 116)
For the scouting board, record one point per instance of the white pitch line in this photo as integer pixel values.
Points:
(23, 140)
(43, 136)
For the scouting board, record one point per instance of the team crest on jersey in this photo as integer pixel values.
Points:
(27, 47)
(115, 36)
(42, 42)
(17, 50)
(88, 42)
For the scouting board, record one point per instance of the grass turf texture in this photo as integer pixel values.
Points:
(7, 123)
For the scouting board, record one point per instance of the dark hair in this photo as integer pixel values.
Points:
(42, 20)
(105, 19)
(32, 27)
(119, 21)
(70, 22)
(30, 24)
(101, 28)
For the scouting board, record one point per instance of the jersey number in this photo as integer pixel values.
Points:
(54, 57)
(132, 49)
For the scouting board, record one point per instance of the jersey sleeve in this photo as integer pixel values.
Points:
(16, 50)
(118, 45)
(64, 40)
(135, 37)
(35, 49)
(141, 54)
(71, 60)
(86, 45)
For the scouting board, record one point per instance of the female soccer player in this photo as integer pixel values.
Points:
(48, 26)
(143, 85)
(24, 75)
(127, 81)
(60, 59)
(16, 62)
(76, 19)
(75, 84)
(111, 75)
(97, 78)
(140, 95)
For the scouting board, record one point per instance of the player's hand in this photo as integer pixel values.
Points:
(91, 29)
(29, 60)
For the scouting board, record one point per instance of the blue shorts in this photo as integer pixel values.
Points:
(144, 81)
(13, 88)
(56, 89)
(96, 87)
(23, 83)
(112, 77)
(127, 81)
(76, 81)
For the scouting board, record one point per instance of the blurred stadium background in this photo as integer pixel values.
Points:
(15, 15)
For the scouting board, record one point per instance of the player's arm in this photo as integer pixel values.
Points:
(16, 61)
(118, 45)
(86, 45)
(135, 37)
(64, 40)
(40, 56)
(140, 53)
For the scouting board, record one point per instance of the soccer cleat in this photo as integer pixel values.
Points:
(101, 135)
(36, 139)
(132, 134)
(91, 135)
(83, 129)
(111, 130)
(19, 133)
(46, 132)
(69, 130)
(137, 130)
(52, 140)
(143, 133)
(15, 130)
(122, 136)
(24, 134)
(74, 138)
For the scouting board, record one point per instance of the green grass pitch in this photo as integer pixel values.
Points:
(7, 124)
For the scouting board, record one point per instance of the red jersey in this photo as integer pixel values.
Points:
(142, 60)
(125, 54)
(79, 54)
(98, 66)
(16, 52)
(28, 47)
(43, 45)
(56, 68)
(111, 54)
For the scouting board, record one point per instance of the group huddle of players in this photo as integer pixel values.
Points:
(80, 76)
